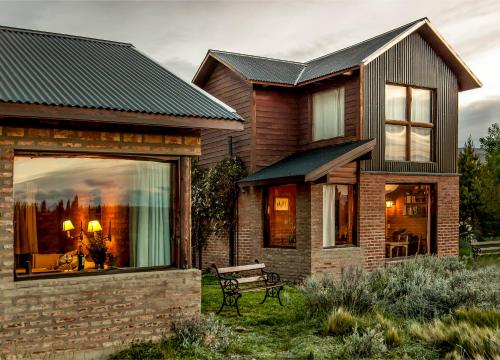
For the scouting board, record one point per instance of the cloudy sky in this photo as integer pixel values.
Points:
(178, 33)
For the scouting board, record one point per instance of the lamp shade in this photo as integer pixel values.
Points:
(67, 225)
(389, 203)
(94, 226)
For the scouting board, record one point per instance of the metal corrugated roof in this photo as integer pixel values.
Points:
(278, 71)
(302, 163)
(55, 69)
(261, 69)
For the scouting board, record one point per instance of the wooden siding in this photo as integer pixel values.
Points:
(412, 62)
(351, 86)
(233, 90)
(346, 174)
(276, 126)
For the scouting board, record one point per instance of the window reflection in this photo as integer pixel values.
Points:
(57, 199)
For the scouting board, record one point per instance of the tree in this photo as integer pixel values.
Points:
(470, 170)
(490, 194)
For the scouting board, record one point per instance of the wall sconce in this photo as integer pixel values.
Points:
(68, 226)
(95, 227)
(389, 203)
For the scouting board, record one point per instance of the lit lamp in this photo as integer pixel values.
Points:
(94, 226)
(68, 226)
(389, 203)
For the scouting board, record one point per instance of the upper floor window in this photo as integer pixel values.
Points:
(328, 114)
(408, 123)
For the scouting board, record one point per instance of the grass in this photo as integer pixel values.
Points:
(270, 331)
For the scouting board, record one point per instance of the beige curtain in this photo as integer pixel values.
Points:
(328, 114)
(328, 215)
(25, 236)
(421, 105)
(395, 102)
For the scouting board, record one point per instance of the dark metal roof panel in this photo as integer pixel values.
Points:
(261, 69)
(302, 163)
(55, 69)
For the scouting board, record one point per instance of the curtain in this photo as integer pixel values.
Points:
(328, 215)
(421, 105)
(420, 144)
(25, 232)
(150, 238)
(328, 114)
(395, 142)
(395, 102)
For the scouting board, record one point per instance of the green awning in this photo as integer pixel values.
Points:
(310, 165)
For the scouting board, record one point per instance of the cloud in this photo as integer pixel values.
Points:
(475, 118)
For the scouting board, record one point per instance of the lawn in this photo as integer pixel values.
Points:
(270, 331)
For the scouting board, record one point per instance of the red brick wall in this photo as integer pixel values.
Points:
(216, 251)
(90, 315)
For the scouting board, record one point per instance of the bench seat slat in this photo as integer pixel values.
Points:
(231, 269)
(250, 279)
(260, 288)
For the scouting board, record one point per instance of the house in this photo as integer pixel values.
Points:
(352, 157)
(96, 141)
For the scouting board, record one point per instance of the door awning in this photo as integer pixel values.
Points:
(310, 165)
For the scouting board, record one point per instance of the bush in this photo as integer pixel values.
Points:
(352, 292)
(369, 343)
(206, 331)
(424, 287)
(392, 336)
(340, 322)
(460, 340)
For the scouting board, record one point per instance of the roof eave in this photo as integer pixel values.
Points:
(103, 116)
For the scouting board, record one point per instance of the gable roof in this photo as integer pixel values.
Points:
(56, 69)
(310, 165)
(288, 73)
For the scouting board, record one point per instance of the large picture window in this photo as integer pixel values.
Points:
(339, 215)
(87, 214)
(280, 216)
(328, 114)
(408, 123)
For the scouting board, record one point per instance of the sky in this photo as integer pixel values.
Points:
(178, 33)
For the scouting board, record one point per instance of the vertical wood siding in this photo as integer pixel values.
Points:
(412, 62)
(229, 88)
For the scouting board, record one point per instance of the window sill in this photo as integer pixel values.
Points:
(89, 272)
(281, 247)
(410, 162)
(346, 246)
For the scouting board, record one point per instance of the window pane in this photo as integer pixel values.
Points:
(280, 215)
(338, 215)
(115, 212)
(420, 144)
(395, 102)
(395, 142)
(421, 105)
(328, 114)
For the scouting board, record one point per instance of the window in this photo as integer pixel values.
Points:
(338, 215)
(280, 216)
(328, 114)
(86, 213)
(408, 123)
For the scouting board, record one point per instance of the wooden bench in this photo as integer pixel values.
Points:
(230, 285)
(480, 248)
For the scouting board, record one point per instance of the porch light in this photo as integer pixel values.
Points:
(389, 203)
(94, 226)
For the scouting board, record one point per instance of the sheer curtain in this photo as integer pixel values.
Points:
(328, 114)
(395, 102)
(421, 105)
(25, 232)
(150, 243)
(328, 215)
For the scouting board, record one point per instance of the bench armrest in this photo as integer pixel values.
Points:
(271, 277)
(229, 285)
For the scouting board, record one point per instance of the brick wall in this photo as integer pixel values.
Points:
(216, 251)
(291, 264)
(87, 316)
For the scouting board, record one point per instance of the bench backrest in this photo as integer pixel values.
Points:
(481, 243)
(235, 269)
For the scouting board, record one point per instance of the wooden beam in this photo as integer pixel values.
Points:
(53, 112)
(185, 209)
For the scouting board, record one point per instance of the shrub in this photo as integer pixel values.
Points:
(206, 331)
(340, 322)
(424, 287)
(351, 292)
(368, 343)
(460, 340)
